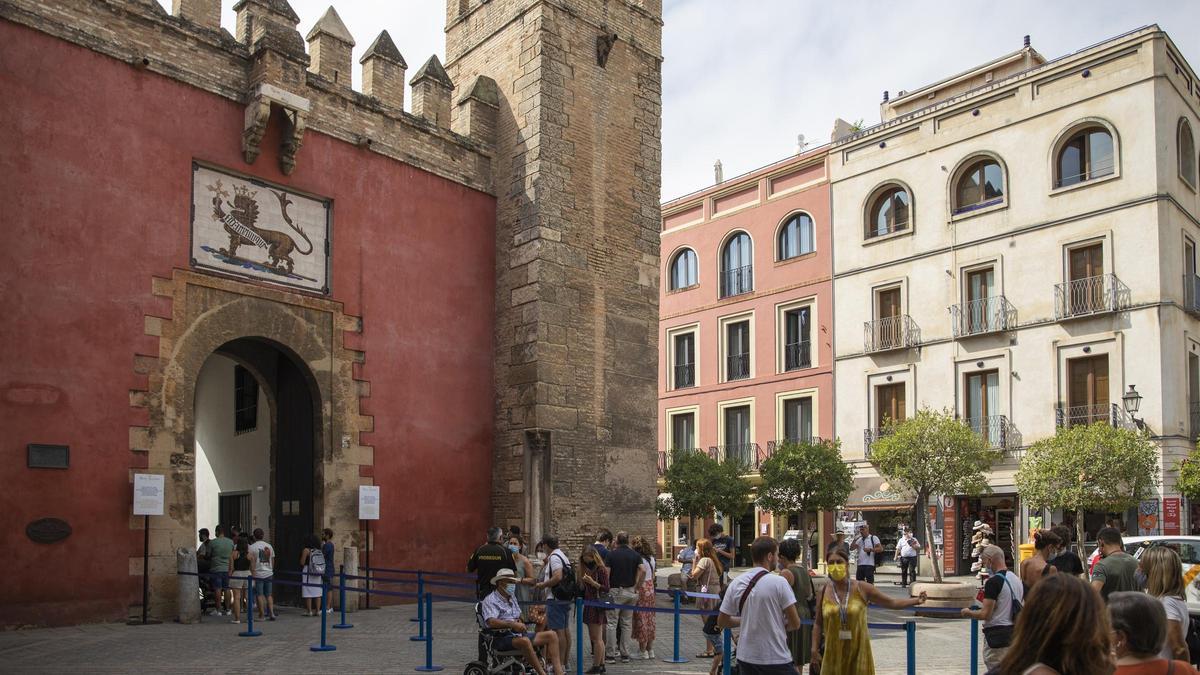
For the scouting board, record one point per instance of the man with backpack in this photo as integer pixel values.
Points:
(1002, 599)
(764, 606)
(559, 576)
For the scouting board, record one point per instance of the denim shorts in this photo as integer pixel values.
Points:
(219, 580)
(717, 641)
(558, 615)
(263, 587)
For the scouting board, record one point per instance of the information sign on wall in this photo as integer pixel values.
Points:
(1170, 520)
(368, 502)
(149, 494)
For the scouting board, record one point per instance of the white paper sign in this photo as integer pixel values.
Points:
(149, 494)
(368, 502)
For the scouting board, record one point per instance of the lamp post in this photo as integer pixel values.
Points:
(1133, 401)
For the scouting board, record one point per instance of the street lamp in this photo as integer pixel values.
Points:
(1133, 400)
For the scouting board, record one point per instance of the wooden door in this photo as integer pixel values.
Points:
(1085, 293)
(889, 404)
(1087, 393)
(888, 332)
(980, 290)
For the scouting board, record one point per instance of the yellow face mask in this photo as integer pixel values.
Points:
(837, 571)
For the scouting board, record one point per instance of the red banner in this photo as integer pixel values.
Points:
(1170, 522)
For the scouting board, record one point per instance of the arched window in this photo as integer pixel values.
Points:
(683, 269)
(982, 184)
(737, 266)
(796, 237)
(1086, 155)
(1187, 153)
(889, 212)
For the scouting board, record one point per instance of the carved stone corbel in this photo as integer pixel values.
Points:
(258, 114)
(293, 137)
(258, 117)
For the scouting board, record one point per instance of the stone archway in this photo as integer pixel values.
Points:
(206, 313)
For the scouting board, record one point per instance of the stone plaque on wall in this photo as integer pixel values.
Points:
(253, 229)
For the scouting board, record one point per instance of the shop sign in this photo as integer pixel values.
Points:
(1170, 520)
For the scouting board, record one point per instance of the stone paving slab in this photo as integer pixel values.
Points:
(379, 643)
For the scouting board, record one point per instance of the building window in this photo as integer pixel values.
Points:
(1087, 391)
(983, 403)
(683, 270)
(737, 350)
(889, 329)
(796, 237)
(683, 431)
(1086, 155)
(798, 419)
(889, 404)
(980, 186)
(684, 360)
(245, 401)
(1187, 153)
(797, 352)
(890, 212)
(737, 434)
(737, 265)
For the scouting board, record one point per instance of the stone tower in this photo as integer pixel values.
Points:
(577, 170)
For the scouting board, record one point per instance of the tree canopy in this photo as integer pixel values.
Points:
(803, 477)
(698, 485)
(1188, 483)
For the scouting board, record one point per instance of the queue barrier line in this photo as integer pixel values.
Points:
(431, 573)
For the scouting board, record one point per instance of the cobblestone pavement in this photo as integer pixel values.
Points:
(379, 643)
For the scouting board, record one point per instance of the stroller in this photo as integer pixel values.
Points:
(511, 661)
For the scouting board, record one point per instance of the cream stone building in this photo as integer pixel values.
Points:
(1016, 243)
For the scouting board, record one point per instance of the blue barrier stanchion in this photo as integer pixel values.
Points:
(974, 646)
(342, 598)
(428, 667)
(726, 658)
(676, 656)
(323, 647)
(420, 592)
(578, 635)
(250, 632)
(910, 634)
(422, 635)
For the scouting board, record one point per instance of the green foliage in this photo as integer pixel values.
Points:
(933, 453)
(1093, 467)
(1189, 476)
(803, 477)
(700, 485)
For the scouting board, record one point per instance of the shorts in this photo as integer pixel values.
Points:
(717, 641)
(756, 669)
(238, 580)
(504, 643)
(263, 587)
(219, 580)
(558, 614)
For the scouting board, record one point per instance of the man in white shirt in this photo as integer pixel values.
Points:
(502, 613)
(1001, 592)
(262, 556)
(867, 545)
(764, 605)
(908, 551)
(558, 612)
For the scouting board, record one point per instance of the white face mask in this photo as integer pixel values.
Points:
(541, 555)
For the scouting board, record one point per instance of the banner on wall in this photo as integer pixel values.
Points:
(1148, 517)
(1170, 515)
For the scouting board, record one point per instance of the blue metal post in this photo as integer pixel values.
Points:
(342, 598)
(676, 657)
(910, 634)
(422, 634)
(428, 667)
(974, 646)
(323, 647)
(250, 632)
(420, 618)
(727, 647)
(578, 634)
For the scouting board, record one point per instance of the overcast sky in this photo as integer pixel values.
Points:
(742, 79)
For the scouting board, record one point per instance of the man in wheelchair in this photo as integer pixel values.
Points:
(505, 634)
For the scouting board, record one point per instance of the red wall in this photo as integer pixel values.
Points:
(96, 173)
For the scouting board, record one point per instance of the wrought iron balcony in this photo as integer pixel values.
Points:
(998, 431)
(1191, 293)
(685, 375)
(751, 454)
(797, 355)
(893, 332)
(1092, 295)
(772, 446)
(1066, 417)
(737, 366)
(985, 315)
(664, 458)
(737, 281)
(872, 435)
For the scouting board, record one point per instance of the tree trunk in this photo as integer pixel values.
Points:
(1079, 536)
(922, 532)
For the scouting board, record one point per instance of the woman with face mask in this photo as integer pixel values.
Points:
(1046, 546)
(842, 620)
(524, 570)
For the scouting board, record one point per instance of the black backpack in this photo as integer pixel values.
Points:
(567, 587)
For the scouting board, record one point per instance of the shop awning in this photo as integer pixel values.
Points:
(875, 494)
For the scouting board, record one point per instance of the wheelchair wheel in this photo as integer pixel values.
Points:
(475, 668)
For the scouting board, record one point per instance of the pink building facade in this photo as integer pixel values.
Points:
(746, 343)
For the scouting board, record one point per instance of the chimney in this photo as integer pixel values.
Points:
(254, 17)
(431, 89)
(718, 173)
(477, 110)
(383, 72)
(1026, 42)
(329, 46)
(885, 95)
(801, 144)
(206, 13)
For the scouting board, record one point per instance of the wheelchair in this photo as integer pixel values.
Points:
(510, 662)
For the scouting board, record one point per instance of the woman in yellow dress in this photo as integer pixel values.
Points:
(842, 619)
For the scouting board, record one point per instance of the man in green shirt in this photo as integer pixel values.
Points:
(1116, 569)
(220, 549)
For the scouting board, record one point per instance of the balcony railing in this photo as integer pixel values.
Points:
(685, 375)
(1097, 170)
(737, 366)
(1092, 295)
(872, 435)
(1191, 293)
(893, 332)
(751, 454)
(997, 430)
(1066, 417)
(797, 355)
(772, 446)
(985, 315)
(664, 459)
(737, 281)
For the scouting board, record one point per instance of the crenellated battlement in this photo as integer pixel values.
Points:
(267, 65)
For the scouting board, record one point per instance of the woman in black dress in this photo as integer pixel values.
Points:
(595, 587)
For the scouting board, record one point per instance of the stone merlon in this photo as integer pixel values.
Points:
(329, 48)
(383, 72)
(431, 93)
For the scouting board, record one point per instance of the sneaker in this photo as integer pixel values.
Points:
(650, 654)
(234, 621)
(624, 658)
(610, 659)
(594, 670)
(271, 618)
(214, 612)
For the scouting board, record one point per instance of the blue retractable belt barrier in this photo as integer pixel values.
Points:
(342, 598)
(974, 646)
(420, 617)
(250, 632)
(726, 657)
(324, 646)
(676, 657)
(428, 667)
(578, 635)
